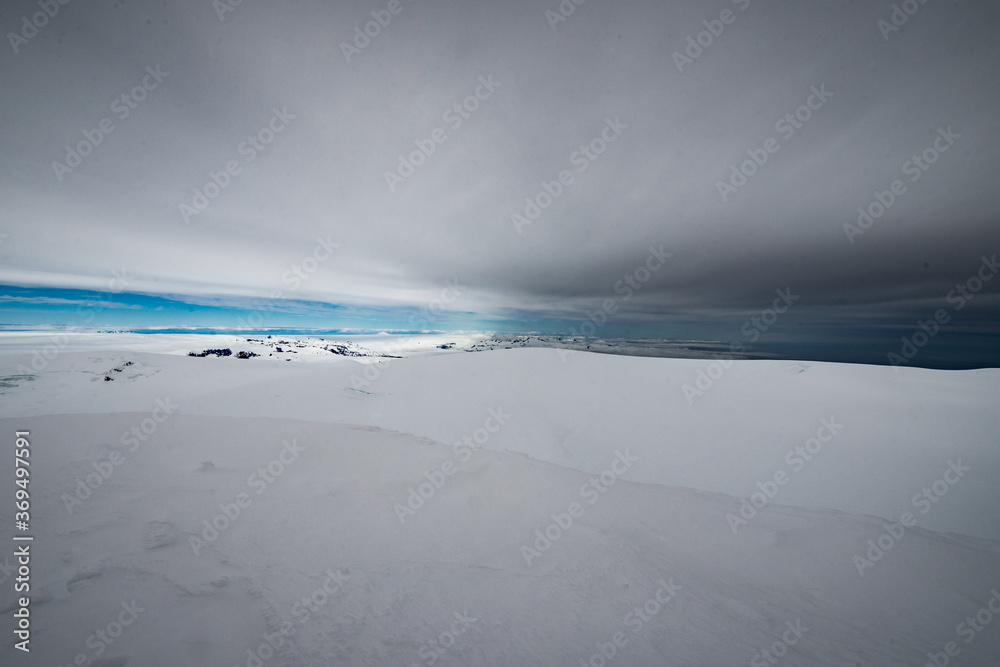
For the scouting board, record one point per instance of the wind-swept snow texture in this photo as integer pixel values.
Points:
(509, 507)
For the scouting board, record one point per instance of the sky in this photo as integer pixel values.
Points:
(656, 169)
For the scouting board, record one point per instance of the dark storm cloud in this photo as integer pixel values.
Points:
(269, 130)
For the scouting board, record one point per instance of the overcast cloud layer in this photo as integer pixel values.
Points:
(687, 91)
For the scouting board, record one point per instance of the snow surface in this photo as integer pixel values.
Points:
(646, 480)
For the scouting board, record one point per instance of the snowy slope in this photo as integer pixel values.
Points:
(631, 482)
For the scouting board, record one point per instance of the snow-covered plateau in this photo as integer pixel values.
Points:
(409, 502)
